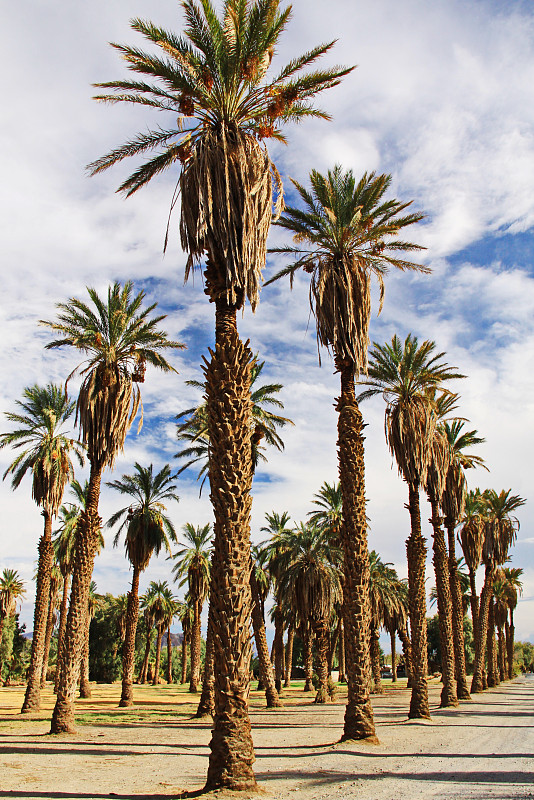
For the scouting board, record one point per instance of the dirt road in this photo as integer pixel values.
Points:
(484, 749)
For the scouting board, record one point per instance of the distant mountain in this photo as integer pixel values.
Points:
(176, 639)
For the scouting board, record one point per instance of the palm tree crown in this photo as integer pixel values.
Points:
(501, 526)
(11, 589)
(405, 374)
(119, 338)
(46, 449)
(345, 234)
(214, 80)
(148, 528)
(193, 560)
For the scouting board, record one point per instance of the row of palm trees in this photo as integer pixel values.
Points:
(214, 81)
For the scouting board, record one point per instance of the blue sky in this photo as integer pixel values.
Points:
(442, 99)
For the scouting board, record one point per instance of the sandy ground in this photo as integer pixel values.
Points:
(484, 749)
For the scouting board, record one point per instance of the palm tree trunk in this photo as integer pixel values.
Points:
(493, 678)
(341, 655)
(375, 660)
(473, 601)
(510, 645)
(477, 684)
(308, 657)
(230, 471)
(184, 660)
(85, 687)
(32, 697)
(144, 667)
(159, 637)
(393, 656)
(69, 659)
(169, 655)
(334, 639)
(502, 648)
(62, 624)
(206, 703)
(278, 645)
(407, 652)
(289, 655)
(258, 625)
(462, 691)
(416, 553)
(359, 721)
(51, 621)
(128, 648)
(443, 590)
(322, 695)
(194, 673)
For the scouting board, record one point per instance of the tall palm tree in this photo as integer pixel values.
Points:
(471, 537)
(11, 590)
(45, 450)
(163, 607)
(259, 584)
(437, 472)
(264, 423)
(452, 504)
(346, 233)
(148, 618)
(56, 580)
(94, 602)
(405, 374)
(147, 529)
(63, 543)
(277, 527)
(214, 78)
(383, 583)
(193, 567)
(185, 615)
(514, 586)
(119, 338)
(500, 531)
(309, 567)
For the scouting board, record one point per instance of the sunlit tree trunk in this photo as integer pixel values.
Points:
(206, 703)
(32, 697)
(194, 671)
(62, 624)
(128, 648)
(87, 536)
(49, 629)
(169, 655)
(443, 590)
(322, 695)
(341, 655)
(258, 625)
(307, 636)
(406, 652)
(289, 655)
(184, 660)
(230, 470)
(416, 552)
(375, 660)
(393, 656)
(481, 637)
(143, 675)
(457, 618)
(493, 677)
(85, 686)
(159, 637)
(359, 721)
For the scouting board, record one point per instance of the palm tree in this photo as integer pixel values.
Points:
(471, 537)
(500, 531)
(406, 374)
(437, 472)
(452, 504)
(148, 617)
(119, 338)
(310, 574)
(163, 608)
(94, 602)
(147, 530)
(383, 585)
(193, 566)
(11, 590)
(259, 584)
(185, 615)
(46, 450)
(347, 233)
(514, 587)
(214, 78)
(55, 583)
(264, 423)
(277, 528)
(63, 544)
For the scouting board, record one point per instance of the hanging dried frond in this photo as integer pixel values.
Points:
(472, 538)
(438, 469)
(227, 191)
(107, 405)
(410, 427)
(341, 299)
